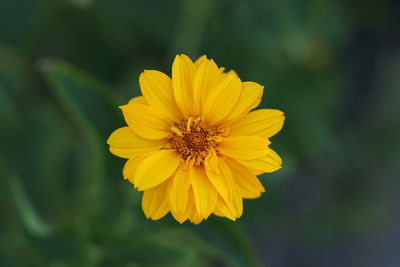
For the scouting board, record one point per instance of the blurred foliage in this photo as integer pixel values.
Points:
(332, 66)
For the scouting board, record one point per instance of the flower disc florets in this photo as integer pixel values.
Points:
(192, 138)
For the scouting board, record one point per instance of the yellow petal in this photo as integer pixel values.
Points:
(222, 99)
(226, 74)
(211, 161)
(247, 183)
(250, 97)
(156, 87)
(195, 218)
(131, 165)
(156, 168)
(205, 195)
(232, 209)
(206, 79)
(179, 217)
(147, 121)
(154, 202)
(183, 71)
(199, 61)
(138, 100)
(237, 205)
(244, 147)
(222, 210)
(268, 163)
(191, 212)
(222, 181)
(125, 143)
(218, 212)
(178, 191)
(262, 122)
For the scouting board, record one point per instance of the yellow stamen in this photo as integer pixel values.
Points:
(189, 124)
(177, 131)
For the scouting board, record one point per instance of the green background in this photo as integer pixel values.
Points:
(332, 66)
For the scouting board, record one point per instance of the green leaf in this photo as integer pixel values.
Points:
(89, 104)
(30, 218)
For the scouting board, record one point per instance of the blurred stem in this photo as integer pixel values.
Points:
(238, 237)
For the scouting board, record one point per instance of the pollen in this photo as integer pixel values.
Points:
(193, 139)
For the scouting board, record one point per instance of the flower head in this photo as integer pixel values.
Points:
(192, 142)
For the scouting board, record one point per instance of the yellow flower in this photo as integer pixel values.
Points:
(192, 144)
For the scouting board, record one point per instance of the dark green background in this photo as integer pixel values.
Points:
(332, 66)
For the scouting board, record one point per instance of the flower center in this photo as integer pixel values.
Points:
(193, 139)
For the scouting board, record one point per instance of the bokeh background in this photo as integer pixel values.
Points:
(332, 66)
